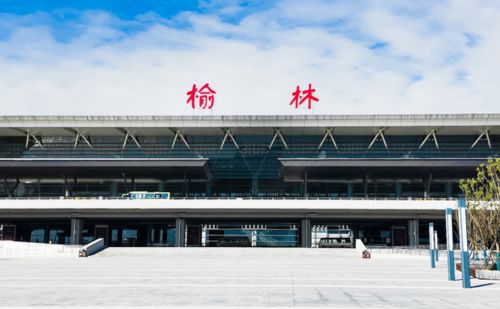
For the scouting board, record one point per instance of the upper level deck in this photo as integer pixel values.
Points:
(233, 153)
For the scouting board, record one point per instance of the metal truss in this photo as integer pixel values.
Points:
(230, 136)
(30, 136)
(276, 135)
(178, 134)
(328, 133)
(486, 134)
(80, 135)
(128, 135)
(432, 133)
(380, 133)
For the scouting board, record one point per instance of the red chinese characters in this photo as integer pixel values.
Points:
(203, 97)
(301, 96)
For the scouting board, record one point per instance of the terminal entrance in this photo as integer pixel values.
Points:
(244, 234)
(130, 233)
(372, 233)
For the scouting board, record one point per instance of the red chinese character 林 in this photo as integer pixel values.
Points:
(300, 97)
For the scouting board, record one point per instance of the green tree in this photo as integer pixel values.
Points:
(482, 195)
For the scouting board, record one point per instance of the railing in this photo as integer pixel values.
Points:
(235, 198)
(420, 250)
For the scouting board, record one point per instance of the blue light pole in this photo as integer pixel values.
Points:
(464, 246)
(431, 244)
(436, 245)
(449, 244)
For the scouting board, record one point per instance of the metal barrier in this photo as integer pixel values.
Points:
(92, 248)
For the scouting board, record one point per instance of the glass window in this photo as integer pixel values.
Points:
(37, 235)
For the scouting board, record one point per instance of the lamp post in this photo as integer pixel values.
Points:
(431, 244)
(464, 246)
(449, 244)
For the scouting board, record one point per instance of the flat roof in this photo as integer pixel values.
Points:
(294, 169)
(106, 167)
(402, 124)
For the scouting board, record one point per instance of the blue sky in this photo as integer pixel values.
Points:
(362, 56)
(127, 9)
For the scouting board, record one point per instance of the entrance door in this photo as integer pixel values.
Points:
(399, 236)
(101, 231)
(194, 235)
(8, 232)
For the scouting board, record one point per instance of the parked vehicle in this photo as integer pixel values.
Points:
(145, 195)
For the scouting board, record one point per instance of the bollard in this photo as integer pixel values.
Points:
(463, 243)
(431, 244)
(449, 244)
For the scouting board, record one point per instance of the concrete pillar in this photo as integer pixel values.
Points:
(76, 231)
(413, 237)
(180, 232)
(306, 232)
(161, 186)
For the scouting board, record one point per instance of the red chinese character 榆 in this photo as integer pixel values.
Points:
(203, 96)
(300, 97)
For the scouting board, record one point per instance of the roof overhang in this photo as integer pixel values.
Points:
(225, 209)
(168, 168)
(294, 169)
(418, 124)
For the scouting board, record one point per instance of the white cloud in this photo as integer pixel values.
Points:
(441, 58)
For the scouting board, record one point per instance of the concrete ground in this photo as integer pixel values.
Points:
(233, 277)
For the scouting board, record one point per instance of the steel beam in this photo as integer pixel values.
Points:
(29, 136)
(229, 135)
(380, 133)
(432, 133)
(178, 134)
(328, 133)
(276, 135)
(82, 136)
(487, 135)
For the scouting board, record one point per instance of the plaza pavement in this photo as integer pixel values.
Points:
(235, 277)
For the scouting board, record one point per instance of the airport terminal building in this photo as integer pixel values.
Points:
(285, 181)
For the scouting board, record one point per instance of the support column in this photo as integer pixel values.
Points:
(255, 186)
(184, 185)
(208, 189)
(449, 244)
(448, 189)
(76, 231)
(305, 185)
(180, 232)
(464, 244)
(399, 188)
(114, 188)
(365, 185)
(349, 189)
(306, 232)
(431, 245)
(413, 232)
(161, 186)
